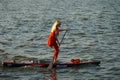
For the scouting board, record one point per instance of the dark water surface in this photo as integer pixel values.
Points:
(25, 25)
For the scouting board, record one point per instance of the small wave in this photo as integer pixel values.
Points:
(87, 57)
(114, 68)
(19, 57)
(1, 51)
(4, 76)
(4, 42)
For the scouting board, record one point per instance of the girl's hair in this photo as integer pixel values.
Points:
(56, 23)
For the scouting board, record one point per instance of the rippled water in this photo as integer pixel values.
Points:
(25, 26)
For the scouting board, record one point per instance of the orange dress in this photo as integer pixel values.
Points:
(51, 40)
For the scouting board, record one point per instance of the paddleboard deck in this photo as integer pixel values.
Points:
(46, 64)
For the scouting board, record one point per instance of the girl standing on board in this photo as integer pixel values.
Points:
(53, 40)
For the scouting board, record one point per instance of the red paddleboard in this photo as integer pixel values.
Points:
(46, 64)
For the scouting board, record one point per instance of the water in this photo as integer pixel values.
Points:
(25, 25)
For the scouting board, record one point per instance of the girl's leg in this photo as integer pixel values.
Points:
(56, 52)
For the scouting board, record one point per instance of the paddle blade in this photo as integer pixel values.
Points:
(50, 66)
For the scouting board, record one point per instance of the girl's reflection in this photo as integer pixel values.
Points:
(53, 75)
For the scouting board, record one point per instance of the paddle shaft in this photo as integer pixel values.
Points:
(63, 37)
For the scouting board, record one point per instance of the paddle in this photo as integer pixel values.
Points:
(50, 66)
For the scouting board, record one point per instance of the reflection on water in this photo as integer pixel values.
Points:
(52, 75)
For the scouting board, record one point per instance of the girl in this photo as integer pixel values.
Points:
(53, 40)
